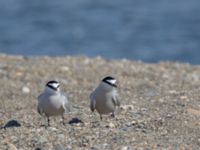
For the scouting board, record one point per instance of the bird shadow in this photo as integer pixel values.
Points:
(11, 124)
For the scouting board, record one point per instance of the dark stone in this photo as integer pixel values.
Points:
(11, 124)
(75, 121)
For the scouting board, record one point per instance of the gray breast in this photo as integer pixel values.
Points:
(104, 102)
(51, 105)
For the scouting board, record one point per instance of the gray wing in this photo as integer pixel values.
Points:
(66, 104)
(39, 97)
(39, 110)
(92, 103)
(115, 99)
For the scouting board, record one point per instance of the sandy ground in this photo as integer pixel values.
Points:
(160, 104)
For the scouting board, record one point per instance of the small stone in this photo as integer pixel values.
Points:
(164, 132)
(110, 125)
(133, 122)
(11, 146)
(105, 145)
(64, 68)
(38, 148)
(74, 121)
(12, 123)
(86, 61)
(19, 74)
(127, 107)
(195, 77)
(133, 139)
(173, 92)
(25, 90)
(61, 136)
(42, 139)
(184, 97)
(93, 148)
(1, 123)
(52, 129)
(59, 147)
(186, 122)
(169, 116)
(174, 131)
(161, 100)
(193, 111)
(125, 148)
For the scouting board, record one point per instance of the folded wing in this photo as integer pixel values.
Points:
(92, 103)
(115, 99)
(66, 104)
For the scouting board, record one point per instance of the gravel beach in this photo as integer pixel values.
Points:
(160, 104)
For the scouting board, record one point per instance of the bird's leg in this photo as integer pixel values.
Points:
(100, 127)
(113, 115)
(63, 119)
(91, 123)
(48, 121)
(101, 117)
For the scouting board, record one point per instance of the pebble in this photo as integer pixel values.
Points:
(19, 74)
(64, 68)
(127, 107)
(25, 90)
(110, 125)
(42, 139)
(184, 97)
(105, 145)
(164, 132)
(195, 77)
(161, 100)
(52, 129)
(125, 148)
(61, 136)
(12, 123)
(59, 147)
(11, 146)
(133, 139)
(193, 111)
(173, 92)
(133, 122)
(86, 61)
(175, 131)
(93, 148)
(38, 148)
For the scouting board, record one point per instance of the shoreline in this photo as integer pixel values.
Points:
(94, 57)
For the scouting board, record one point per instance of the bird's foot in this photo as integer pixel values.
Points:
(113, 115)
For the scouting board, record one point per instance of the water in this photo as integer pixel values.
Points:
(134, 29)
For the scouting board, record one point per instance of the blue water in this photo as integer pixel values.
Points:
(148, 30)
